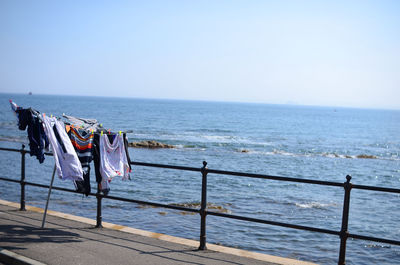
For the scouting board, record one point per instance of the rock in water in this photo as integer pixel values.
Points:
(150, 144)
(367, 156)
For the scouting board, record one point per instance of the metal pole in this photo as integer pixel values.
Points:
(344, 233)
(203, 207)
(22, 203)
(48, 196)
(98, 217)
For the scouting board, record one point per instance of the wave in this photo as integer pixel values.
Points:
(315, 205)
(9, 124)
(393, 157)
(305, 205)
(210, 130)
(377, 246)
(13, 139)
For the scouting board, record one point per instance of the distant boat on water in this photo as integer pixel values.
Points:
(30, 93)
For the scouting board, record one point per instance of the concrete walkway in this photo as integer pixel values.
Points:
(68, 239)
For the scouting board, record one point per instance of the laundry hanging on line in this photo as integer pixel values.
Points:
(84, 142)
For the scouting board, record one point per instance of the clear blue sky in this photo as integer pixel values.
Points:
(336, 53)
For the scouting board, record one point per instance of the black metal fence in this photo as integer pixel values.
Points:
(343, 233)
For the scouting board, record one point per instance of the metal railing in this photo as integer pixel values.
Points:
(343, 233)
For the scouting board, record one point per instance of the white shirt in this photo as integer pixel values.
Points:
(113, 160)
(66, 159)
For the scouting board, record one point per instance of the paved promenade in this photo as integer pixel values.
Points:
(68, 239)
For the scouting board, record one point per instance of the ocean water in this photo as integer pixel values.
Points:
(322, 143)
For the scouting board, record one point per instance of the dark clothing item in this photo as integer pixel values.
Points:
(127, 153)
(83, 145)
(96, 162)
(58, 137)
(83, 186)
(37, 138)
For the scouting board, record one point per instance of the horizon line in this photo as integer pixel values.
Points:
(288, 103)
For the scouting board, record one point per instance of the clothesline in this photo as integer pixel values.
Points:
(93, 122)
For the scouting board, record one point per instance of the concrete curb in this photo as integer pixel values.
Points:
(9, 257)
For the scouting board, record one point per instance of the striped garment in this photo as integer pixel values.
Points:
(83, 144)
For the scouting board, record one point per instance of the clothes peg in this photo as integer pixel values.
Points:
(101, 133)
(119, 132)
(51, 115)
(44, 115)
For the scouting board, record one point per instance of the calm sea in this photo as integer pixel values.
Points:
(323, 143)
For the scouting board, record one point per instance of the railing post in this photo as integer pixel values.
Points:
(345, 221)
(22, 203)
(203, 213)
(98, 217)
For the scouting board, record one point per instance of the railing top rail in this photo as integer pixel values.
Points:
(21, 150)
(11, 149)
(262, 176)
(374, 188)
(166, 166)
